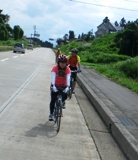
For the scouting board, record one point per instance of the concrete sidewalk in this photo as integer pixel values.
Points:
(117, 106)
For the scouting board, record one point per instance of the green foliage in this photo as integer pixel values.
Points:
(11, 42)
(16, 32)
(67, 48)
(102, 55)
(112, 71)
(129, 67)
(6, 31)
(9, 29)
(105, 42)
(1, 20)
(3, 32)
(127, 40)
(71, 35)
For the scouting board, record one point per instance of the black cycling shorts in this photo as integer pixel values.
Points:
(74, 75)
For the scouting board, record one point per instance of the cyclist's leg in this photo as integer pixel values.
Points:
(64, 97)
(74, 82)
(52, 102)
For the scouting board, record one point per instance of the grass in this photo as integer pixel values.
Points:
(110, 71)
(8, 45)
(5, 48)
(103, 57)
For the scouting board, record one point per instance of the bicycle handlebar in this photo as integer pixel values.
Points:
(76, 71)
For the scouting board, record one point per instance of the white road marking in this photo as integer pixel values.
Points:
(2, 60)
(8, 103)
(15, 56)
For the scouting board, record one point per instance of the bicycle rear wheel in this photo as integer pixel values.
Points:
(70, 93)
(71, 88)
(59, 114)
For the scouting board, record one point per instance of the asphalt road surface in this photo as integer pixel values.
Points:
(26, 133)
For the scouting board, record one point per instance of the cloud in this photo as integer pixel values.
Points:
(54, 18)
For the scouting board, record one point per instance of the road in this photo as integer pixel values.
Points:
(26, 133)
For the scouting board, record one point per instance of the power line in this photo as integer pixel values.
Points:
(131, 1)
(104, 6)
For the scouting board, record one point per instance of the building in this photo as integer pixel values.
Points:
(107, 27)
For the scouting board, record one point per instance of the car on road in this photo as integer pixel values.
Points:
(18, 47)
(30, 46)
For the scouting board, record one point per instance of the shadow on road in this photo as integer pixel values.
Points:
(48, 129)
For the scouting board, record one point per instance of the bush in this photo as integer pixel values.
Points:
(101, 57)
(129, 67)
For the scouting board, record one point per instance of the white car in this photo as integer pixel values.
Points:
(30, 46)
(19, 48)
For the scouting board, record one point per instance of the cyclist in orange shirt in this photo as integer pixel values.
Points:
(74, 64)
(57, 54)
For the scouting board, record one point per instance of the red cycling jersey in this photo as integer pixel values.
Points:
(61, 75)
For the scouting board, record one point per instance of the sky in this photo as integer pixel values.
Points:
(55, 18)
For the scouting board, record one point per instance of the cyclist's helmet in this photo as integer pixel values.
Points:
(74, 50)
(62, 58)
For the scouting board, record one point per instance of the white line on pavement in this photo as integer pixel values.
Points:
(7, 104)
(2, 60)
(15, 56)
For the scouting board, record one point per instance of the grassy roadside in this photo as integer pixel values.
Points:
(8, 45)
(112, 72)
(102, 56)
(5, 48)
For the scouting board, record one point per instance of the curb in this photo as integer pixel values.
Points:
(126, 141)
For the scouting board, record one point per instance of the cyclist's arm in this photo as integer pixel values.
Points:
(68, 79)
(79, 65)
(78, 58)
(53, 76)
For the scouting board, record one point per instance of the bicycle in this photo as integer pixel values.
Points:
(58, 109)
(72, 83)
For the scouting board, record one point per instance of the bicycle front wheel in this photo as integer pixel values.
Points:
(59, 114)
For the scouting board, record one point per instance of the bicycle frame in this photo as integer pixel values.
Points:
(71, 86)
(72, 83)
(58, 109)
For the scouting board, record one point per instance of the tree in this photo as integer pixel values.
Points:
(90, 35)
(71, 35)
(3, 32)
(136, 21)
(17, 32)
(123, 22)
(82, 36)
(9, 29)
(60, 41)
(106, 20)
(6, 31)
(116, 23)
(65, 37)
(5, 18)
(127, 40)
(79, 37)
(21, 33)
(1, 20)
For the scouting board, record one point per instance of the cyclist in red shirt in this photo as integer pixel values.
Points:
(60, 77)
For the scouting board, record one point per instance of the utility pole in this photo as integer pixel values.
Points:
(35, 35)
(34, 31)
